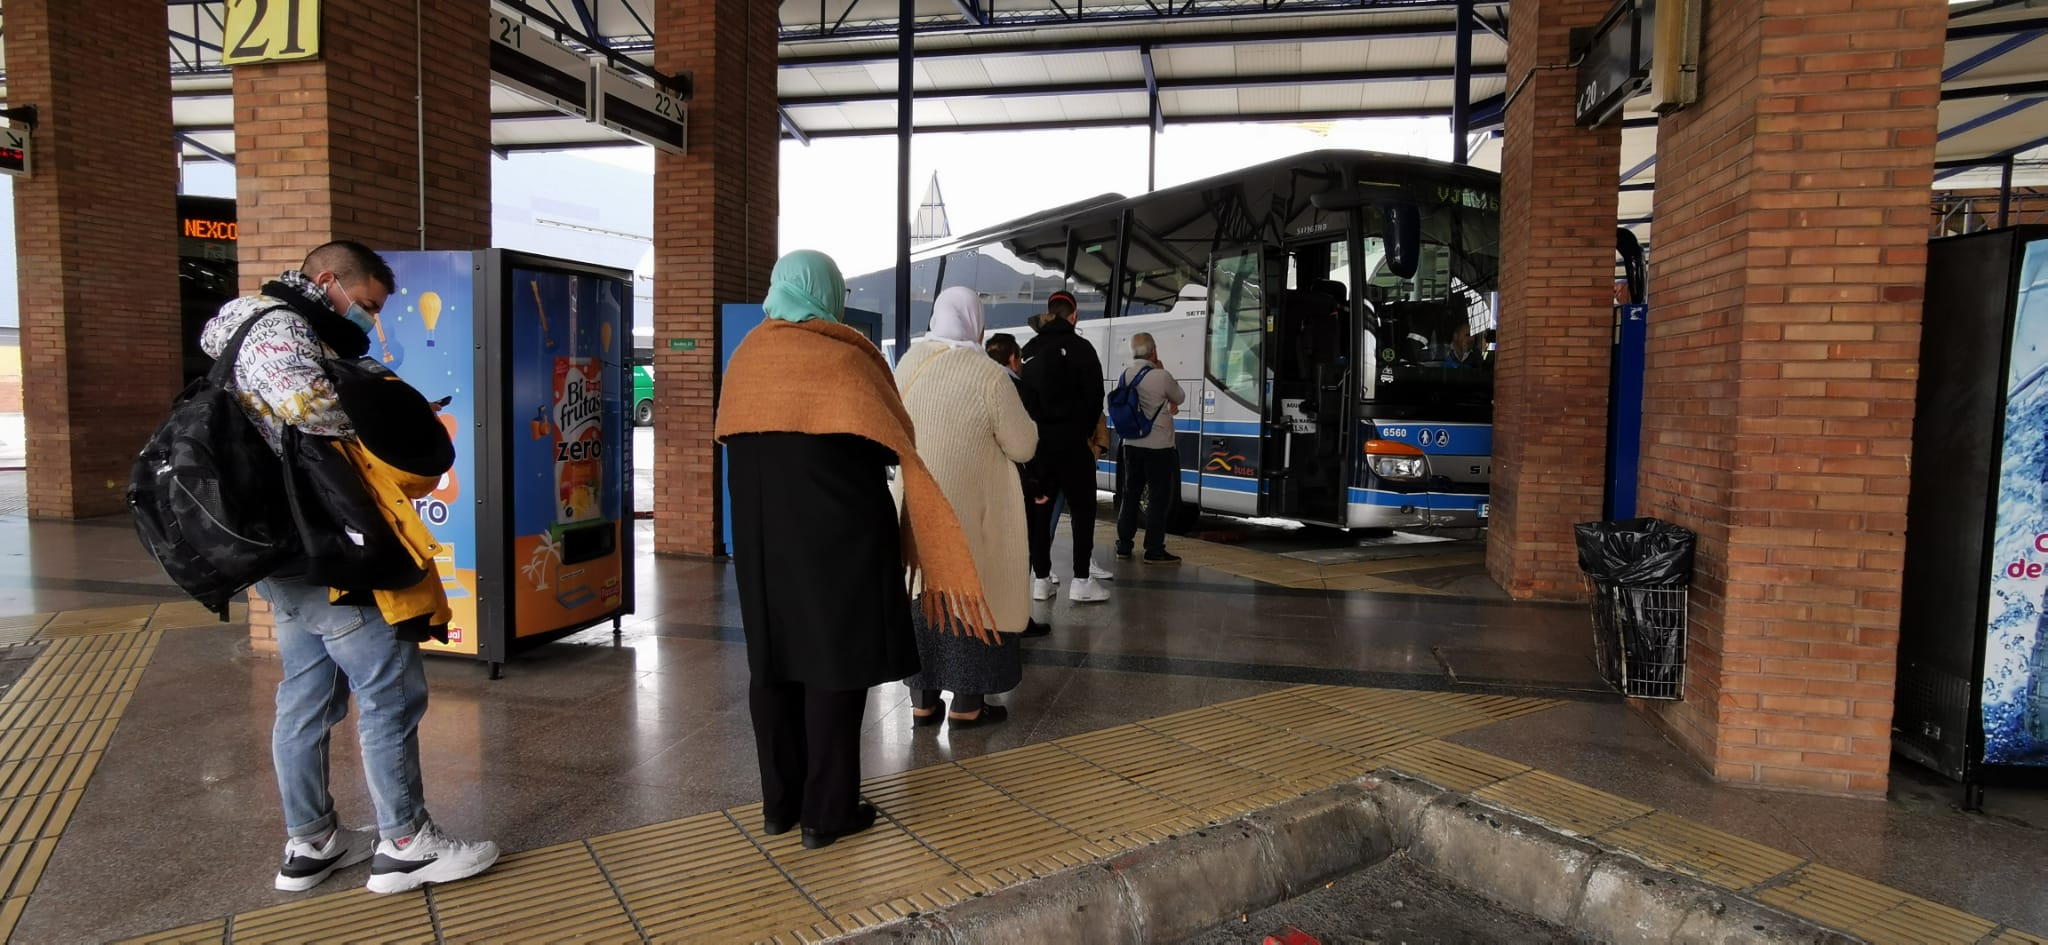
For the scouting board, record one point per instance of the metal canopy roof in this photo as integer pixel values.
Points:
(1036, 64)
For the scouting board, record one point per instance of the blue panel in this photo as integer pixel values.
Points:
(1230, 484)
(1441, 439)
(734, 321)
(1625, 412)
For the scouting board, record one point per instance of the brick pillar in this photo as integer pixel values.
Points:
(96, 244)
(1785, 292)
(1558, 205)
(714, 241)
(330, 148)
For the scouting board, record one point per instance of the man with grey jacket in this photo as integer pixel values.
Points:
(1150, 463)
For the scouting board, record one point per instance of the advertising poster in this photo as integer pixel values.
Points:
(2015, 694)
(427, 335)
(568, 335)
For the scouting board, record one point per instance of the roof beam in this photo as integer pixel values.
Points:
(971, 11)
(1082, 12)
(1050, 42)
(1254, 118)
(2002, 90)
(1997, 50)
(1170, 84)
(790, 128)
(212, 153)
(1152, 91)
(2002, 28)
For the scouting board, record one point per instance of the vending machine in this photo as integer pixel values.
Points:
(535, 517)
(1972, 697)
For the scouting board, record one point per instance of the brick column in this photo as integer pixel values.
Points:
(1785, 292)
(1558, 205)
(331, 148)
(96, 245)
(714, 241)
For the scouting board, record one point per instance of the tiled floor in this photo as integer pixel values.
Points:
(585, 740)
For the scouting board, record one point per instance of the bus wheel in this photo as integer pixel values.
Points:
(643, 413)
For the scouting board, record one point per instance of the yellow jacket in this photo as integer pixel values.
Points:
(422, 608)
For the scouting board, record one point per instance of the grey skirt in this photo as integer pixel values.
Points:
(964, 664)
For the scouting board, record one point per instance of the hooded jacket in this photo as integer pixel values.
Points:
(1063, 383)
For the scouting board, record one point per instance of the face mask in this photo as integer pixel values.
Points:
(356, 315)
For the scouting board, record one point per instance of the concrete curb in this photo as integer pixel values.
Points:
(1177, 888)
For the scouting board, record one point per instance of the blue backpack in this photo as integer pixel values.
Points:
(1125, 417)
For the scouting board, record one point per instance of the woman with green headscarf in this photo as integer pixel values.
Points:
(811, 422)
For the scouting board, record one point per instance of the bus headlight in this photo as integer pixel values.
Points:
(1390, 459)
(1399, 467)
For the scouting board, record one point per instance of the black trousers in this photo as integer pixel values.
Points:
(1072, 473)
(1147, 471)
(808, 742)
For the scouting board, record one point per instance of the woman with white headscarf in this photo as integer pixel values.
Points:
(972, 431)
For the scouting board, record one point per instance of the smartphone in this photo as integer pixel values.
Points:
(445, 401)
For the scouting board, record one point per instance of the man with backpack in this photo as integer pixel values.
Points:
(1141, 409)
(299, 325)
(1063, 392)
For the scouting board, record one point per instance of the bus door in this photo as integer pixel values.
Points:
(1239, 450)
(1312, 366)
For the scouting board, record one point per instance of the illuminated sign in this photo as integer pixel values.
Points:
(15, 152)
(199, 229)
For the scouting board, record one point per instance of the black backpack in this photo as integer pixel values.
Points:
(207, 493)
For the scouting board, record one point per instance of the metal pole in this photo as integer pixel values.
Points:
(1152, 159)
(906, 57)
(2005, 192)
(1461, 85)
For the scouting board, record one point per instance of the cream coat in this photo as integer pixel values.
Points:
(972, 432)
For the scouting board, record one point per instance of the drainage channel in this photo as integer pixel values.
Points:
(1391, 901)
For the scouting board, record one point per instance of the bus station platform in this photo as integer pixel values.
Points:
(137, 800)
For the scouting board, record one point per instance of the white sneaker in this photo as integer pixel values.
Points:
(1100, 573)
(306, 865)
(428, 856)
(1088, 591)
(1044, 588)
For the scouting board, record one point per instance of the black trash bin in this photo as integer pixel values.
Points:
(1641, 570)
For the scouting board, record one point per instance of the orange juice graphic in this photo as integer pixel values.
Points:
(579, 438)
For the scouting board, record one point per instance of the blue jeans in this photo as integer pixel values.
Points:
(329, 652)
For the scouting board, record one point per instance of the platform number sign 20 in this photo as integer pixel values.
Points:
(270, 31)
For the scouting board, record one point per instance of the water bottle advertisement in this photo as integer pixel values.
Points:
(427, 336)
(568, 397)
(2015, 685)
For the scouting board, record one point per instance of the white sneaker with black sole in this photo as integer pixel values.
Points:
(307, 865)
(428, 856)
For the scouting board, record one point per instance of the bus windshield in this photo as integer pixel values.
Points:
(1430, 337)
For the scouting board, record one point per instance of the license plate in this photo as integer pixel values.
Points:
(1485, 508)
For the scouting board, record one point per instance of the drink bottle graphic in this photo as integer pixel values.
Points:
(2034, 695)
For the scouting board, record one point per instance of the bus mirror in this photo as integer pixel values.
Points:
(1403, 236)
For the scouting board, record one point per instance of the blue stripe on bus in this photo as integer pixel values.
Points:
(1439, 501)
(1441, 439)
(1229, 484)
(1221, 428)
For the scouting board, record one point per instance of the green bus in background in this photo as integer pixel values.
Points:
(643, 395)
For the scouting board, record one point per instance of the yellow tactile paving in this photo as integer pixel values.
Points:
(1077, 795)
(1452, 766)
(1874, 912)
(703, 879)
(538, 896)
(1723, 859)
(1567, 805)
(2016, 937)
(356, 916)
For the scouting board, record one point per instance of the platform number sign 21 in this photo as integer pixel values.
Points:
(270, 31)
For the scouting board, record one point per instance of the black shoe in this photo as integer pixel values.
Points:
(1161, 557)
(1123, 554)
(775, 827)
(863, 818)
(1032, 631)
(990, 715)
(926, 721)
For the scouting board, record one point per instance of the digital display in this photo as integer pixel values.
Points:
(200, 229)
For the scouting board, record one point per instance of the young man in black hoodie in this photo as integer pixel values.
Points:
(1063, 386)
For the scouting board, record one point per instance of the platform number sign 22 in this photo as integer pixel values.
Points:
(270, 31)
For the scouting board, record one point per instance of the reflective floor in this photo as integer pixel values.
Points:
(179, 821)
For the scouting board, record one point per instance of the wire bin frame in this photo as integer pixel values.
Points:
(1639, 639)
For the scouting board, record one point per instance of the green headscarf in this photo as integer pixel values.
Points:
(806, 284)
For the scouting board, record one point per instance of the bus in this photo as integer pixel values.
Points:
(1331, 316)
(207, 238)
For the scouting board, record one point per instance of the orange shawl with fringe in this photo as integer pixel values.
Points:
(819, 377)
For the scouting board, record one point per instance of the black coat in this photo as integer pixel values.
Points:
(819, 560)
(1063, 387)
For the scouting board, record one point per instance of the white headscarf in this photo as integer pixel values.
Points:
(957, 319)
